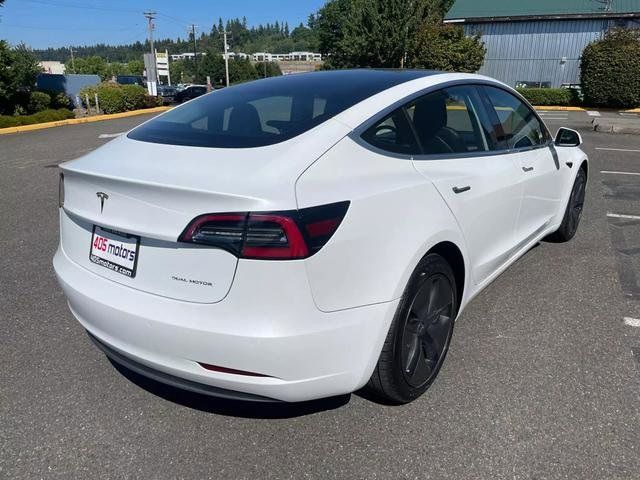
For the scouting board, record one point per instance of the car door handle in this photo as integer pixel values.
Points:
(527, 169)
(461, 189)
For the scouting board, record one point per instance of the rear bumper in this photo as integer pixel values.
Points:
(267, 324)
(173, 381)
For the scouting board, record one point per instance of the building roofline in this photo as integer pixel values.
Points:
(560, 16)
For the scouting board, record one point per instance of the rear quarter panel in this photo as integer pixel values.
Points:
(395, 217)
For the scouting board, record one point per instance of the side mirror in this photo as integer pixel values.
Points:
(568, 138)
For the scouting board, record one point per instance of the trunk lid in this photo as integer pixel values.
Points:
(153, 191)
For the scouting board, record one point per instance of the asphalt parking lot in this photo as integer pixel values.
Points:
(542, 380)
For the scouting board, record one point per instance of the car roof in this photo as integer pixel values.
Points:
(378, 78)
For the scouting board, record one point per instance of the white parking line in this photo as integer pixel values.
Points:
(110, 135)
(593, 113)
(620, 173)
(617, 149)
(619, 215)
(628, 114)
(632, 322)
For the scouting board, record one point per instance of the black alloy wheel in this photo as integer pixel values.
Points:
(576, 203)
(427, 330)
(419, 337)
(573, 213)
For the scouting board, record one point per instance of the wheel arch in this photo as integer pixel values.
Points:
(453, 255)
(585, 166)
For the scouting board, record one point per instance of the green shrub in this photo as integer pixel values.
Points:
(38, 101)
(134, 97)
(49, 115)
(114, 98)
(111, 100)
(610, 70)
(9, 121)
(550, 96)
(60, 100)
(151, 101)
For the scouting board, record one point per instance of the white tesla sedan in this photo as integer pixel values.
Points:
(304, 236)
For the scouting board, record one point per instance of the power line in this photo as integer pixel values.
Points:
(81, 6)
(66, 4)
(70, 27)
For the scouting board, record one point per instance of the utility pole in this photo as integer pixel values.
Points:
(73, 63)
(226, 57)
(150, 16)
(195, 51)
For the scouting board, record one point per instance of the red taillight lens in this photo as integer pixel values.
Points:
(286, 235)
(273, 237)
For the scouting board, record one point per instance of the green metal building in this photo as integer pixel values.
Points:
(540, 43)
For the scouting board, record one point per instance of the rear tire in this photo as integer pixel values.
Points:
(573, 213)
(419, 337)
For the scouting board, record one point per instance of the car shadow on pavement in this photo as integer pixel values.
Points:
(232, 408)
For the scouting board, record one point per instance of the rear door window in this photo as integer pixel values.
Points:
(451, 121)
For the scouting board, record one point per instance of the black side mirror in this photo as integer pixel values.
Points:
(568, 138)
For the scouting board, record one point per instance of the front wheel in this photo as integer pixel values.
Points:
(573, 213)
(419, 337)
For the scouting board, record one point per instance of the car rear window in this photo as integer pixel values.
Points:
(267, 111)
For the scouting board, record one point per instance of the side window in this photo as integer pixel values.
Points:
(519, 124)
(448, 121)
(393, 134)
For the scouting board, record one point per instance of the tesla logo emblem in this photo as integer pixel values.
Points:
(102, 196)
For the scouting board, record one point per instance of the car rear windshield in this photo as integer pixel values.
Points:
(267, 111)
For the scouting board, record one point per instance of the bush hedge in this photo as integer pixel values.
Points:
(49, 115)
(114, 98)
(38, 101)
(551, 96)
(610, 70)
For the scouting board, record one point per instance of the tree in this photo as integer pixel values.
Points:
(445, 47)
(18, 71)
(93, 65)
(372, 33)
(268, 69)
(182, 71)
(136, 67)
(610, 70)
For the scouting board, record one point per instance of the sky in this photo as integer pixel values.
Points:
(58, 23)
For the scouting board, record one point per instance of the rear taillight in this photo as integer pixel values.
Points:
(288, 235)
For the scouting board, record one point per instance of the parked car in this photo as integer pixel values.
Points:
(305, 236)
(167, 93)
(191, 92)
(131, 80)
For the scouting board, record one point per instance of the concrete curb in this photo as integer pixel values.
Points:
(76, 121)
(559, 109)
(582, 109)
